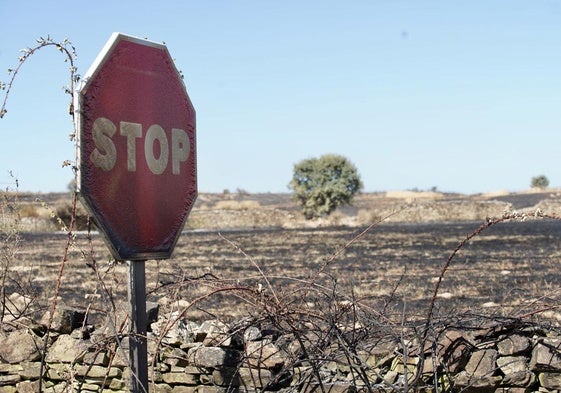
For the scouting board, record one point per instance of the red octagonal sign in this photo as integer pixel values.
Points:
(136, 148)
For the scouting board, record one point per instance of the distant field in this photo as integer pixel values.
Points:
(511, 269)
(249, 211)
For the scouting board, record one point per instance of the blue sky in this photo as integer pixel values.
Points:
(462, 96)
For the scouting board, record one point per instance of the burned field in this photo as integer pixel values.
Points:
(509, 270)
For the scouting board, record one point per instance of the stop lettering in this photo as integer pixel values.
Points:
(104, 155)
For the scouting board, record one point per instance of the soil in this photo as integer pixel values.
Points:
(258, 245)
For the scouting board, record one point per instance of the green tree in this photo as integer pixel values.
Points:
(540, 181)
(322, 184)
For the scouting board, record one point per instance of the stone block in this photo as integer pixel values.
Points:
(20, 346)
(226, 376)
(482, 363)
(173, 329)
(337, 387)
(96, 358)
(513, 345)
(162, 388)
(549, 380)
(546, 355)
(453, 349)
(262, 354)
(516, 371)
(30, 370)
(213, 357)
(510, 389)
(254, 378)
(97, 371)
(180, 379)
(67, 350)
(58, 371)
(466, 382)
(174, 357)
(216, 333)
(8, 380)
(7, 368)
(252, 333)
(27, 386)
(65, 319)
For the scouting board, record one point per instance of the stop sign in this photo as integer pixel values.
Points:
(137, 172)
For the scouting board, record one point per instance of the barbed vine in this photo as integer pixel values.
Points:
(69, 53)
(65, 47)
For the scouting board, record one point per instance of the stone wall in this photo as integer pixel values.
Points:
(212, 357)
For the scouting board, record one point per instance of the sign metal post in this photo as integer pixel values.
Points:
(138, 347)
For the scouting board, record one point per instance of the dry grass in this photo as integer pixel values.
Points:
(411, 196)
(322, 275)
(242, 210)
(237, 205)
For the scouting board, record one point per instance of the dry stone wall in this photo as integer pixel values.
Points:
(212, 357)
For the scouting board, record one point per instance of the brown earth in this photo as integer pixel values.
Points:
(261, 245)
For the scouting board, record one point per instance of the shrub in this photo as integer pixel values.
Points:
(28, 210)
(63, 215)
(322, 184)
(540, 182)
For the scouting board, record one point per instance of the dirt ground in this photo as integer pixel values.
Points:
(260, 242)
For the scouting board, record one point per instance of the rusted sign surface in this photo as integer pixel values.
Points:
(137, 148)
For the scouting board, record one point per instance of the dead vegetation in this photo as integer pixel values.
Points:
(415, 267)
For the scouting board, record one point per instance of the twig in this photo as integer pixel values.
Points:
(69, 240)
(273, 292)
